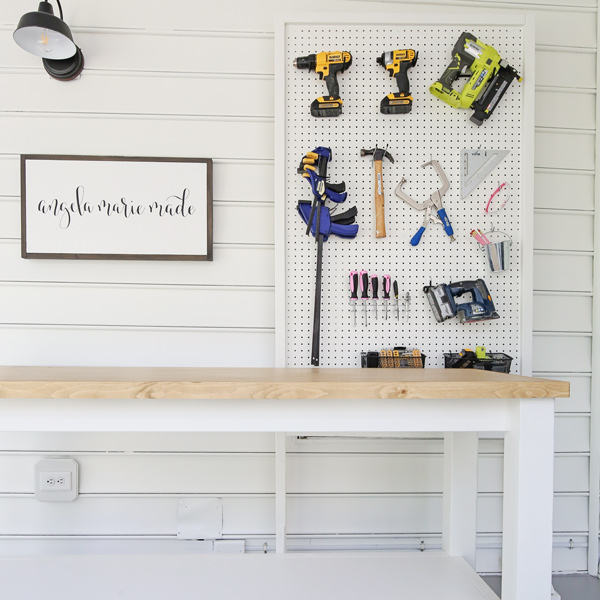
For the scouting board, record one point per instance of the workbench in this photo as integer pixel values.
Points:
(460, 403)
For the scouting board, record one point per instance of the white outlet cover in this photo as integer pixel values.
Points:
(56, 468)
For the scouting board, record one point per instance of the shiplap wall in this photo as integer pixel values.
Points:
(196, 79)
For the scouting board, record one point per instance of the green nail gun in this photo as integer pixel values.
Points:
(490, 77)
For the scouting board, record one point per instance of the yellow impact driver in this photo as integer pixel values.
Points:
(327, 65)
(397, 63)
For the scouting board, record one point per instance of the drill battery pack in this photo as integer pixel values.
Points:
(396, 104)
(328, 106)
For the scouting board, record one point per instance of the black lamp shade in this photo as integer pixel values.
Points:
(43, 34)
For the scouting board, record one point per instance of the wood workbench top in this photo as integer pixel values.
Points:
(234, 383)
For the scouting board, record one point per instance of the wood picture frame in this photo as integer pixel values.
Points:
(116, 208)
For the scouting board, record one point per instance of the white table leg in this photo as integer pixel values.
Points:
(459, 529)
(280, 492)
(528, 500)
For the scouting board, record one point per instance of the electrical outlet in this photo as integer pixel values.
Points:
(56, 480)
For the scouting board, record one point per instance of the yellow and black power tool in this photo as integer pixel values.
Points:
(489, 78)
(397, 63)
(327, 65)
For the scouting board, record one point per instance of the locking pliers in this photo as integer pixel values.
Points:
(434, 202)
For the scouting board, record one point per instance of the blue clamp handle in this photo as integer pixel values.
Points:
(445, 221)
(417, 237)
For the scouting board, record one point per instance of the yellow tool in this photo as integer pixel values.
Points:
(327, 65)
(397, 63)
(489, 77)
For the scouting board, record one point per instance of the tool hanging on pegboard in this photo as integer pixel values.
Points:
(327, 65)
(313, 166)
(442, 299)
(434, 203)
(354, 292)
(475, 165)
(322, 226)
(385, 286)
(374, 291)
(378, 155)
(489, 78)
(397, 63)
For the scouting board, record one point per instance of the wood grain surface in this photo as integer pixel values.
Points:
(116, 382)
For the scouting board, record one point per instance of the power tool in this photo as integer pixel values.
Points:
(327, 65)
(490, 77)
(442, 300)
(397, 63)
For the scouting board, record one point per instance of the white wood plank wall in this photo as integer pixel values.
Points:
(196, 79)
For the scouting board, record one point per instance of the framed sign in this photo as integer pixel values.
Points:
(111, 207)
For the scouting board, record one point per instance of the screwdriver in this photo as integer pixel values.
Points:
(354, 291)
(374, 288)
(364, 287)
(396, 296)
(386, 293)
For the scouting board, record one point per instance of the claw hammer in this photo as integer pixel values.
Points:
(378, 155)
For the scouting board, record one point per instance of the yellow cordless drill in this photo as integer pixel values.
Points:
(397, 63)
(489, 77)
(327, 65)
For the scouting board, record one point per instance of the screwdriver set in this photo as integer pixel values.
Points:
(370, 303)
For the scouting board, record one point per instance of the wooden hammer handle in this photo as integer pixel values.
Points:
(379, 213)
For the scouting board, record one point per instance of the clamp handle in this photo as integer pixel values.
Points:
(417, 237)
(445, 222)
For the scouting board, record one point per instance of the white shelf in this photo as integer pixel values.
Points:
(434, 576)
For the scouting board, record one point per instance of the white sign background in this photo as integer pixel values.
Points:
(144, 208)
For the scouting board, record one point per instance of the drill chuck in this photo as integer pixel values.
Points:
(306, 62)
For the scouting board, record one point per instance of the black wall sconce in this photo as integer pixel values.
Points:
(43, 34)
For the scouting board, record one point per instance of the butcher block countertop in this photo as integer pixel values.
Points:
(269, 383)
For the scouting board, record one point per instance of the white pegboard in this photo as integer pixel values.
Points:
(432, 130)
